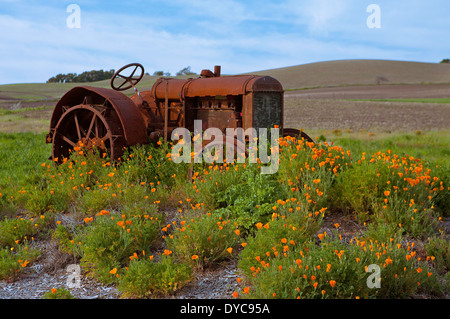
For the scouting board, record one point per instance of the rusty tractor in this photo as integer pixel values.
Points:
(111, 121)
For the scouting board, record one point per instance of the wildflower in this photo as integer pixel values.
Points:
(332, 283)
(229, 249)
(194, 257)
(259, 225)
(113, 271)
(237, 232)
(167, 252)
(235, 294)
(53, 290)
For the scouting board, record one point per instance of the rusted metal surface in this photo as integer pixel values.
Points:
(246, 101)
(88, 127)
(130, 117)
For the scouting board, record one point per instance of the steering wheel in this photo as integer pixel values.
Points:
(123, 79)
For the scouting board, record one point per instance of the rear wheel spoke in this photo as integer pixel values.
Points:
(67, 140)
(77, 125)
(94, 117)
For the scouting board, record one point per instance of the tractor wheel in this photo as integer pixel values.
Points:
(88, 127)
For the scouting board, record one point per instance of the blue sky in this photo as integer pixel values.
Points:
(241, 36)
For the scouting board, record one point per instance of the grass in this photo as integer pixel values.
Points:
(34, 120)
(20, 155)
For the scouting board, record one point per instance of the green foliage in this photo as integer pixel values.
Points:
(397, 190)
(251, 200)
(12, 230)
(60, 293)
(278, 219)
(207, 237)
(109, 241)
(14, 260)
(438, 248)
(145, 277)
(334, 269)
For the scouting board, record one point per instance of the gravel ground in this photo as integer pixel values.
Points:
(219, 283)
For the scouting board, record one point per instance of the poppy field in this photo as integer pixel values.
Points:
(146, 224)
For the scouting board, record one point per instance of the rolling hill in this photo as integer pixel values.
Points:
(312, 75)
(359, 72)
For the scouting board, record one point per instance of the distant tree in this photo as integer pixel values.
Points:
(186, 71)
(87, 76)
(158, 73)
(445, 61)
